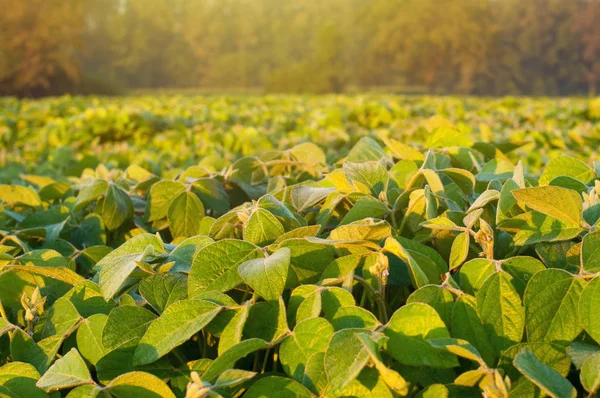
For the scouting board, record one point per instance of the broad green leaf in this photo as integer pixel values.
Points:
(501, 311)
(447, 137)
(232, 333)
(212, 194)
(460, 250)
(161, 196)
(138, 385)
(162, 290)
(366, 149)
(228, 359)
(60, 319)
(409, 329)
(262, 228)
(437, 297)
(353, 317)
(474, 273)
(308, 338)
(589, 305)
(17, 379)
(67, 372)
(266, 321)
(88, 300)
(551, 306)
(590, 374)
(18, 195)
(560, 203)
(267, 276)
(184, 214)
(345, 357)
(579, 352)
(460, 348)
(366, 229)
(215, 267)
(534, 227)
(566, 166)
(180, 321)
(393, 379)
(417, 276)
(89, 338)
(90, 193)
(277, 387)
(118, 265)
(522, 269)
(125, 327)
(548, 379)
(372, 175)
(116, 207)
(590, 252)
(467, 325)
(16, 280)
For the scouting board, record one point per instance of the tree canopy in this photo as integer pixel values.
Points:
(486, 47)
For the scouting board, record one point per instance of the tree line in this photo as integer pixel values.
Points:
(482, 47)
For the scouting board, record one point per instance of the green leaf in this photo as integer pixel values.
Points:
(90, 193)
(180, 321)
(232, 333)
(89, 338)
(162, 195)
(548, 379)
(184, 215)
(447, 137)
(409, 329)
(308, 338)
(345, 357)
(60, 319)
(353, 317)
(139, 385)
(267, 276)
(551, 306)
(467, 325)
(393, 379)
(162, 290)
(118, 265)
(18, 195)
(372, 175)
(566, 166)
(460, 348)
(460, 250)
(560, 203)
(125, 327)
(262, 228)
(437, 297)
(366, 229)
(589, 305)
(590, 374)
(17, 379)
(228, 359)
(590, 252)
(366, 149)
(534, 227)
(215, 267)
(67, 372)
(116, 207)
(16, 280)
(579, 352)
(501, 311)
(277, 387)
(212, 194)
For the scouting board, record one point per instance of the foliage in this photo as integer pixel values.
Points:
(509, 47)
(206, 247)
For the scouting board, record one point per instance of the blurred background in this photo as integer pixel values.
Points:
(481, 47)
